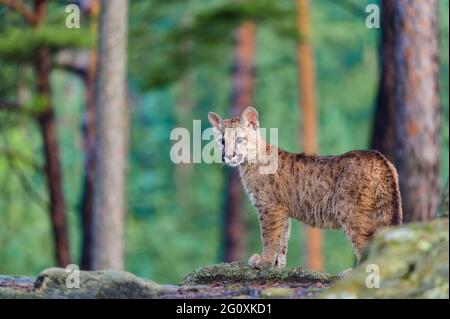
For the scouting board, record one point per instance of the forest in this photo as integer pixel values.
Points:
(91, 90)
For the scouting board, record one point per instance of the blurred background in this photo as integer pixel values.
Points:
(314, 69)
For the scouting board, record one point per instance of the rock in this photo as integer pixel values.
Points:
(277, 292)
(52, 283)
(412, 261)
(236, 272)
(16, 286)
(97, 284)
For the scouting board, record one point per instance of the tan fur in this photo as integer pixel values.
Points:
(357, 192)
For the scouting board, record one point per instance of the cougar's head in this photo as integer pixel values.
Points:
(238, 137)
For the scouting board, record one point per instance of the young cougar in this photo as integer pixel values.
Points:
(357, 191)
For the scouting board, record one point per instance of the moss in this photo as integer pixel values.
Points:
(228, 273)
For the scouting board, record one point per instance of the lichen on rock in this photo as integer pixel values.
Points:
(96, 284)
(411, 260)
(108, 284)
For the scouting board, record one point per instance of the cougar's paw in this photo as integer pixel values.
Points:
(256, 261)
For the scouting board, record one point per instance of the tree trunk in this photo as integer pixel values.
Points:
(184, 172)
(111, 138)
(47, 125)
(242, 86)
(409, 101)
(87, 199)
(383, 136)
(308, 107)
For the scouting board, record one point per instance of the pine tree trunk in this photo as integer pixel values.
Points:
(184, 172)
(409, 111)
(383, 136)
(308, 108)
(111, 137)
(87, 199)
(242, 94)
(47, 125)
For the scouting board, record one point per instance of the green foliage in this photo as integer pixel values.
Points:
(20, 45)
(193, 34)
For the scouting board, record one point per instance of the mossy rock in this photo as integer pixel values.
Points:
(97, 284)
(235, 272)
(108, 284)
(412, 261)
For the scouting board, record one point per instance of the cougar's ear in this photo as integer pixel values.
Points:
(215, 120)
(250, 118)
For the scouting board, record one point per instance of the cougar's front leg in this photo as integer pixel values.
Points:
(282, 252)
(272, 224)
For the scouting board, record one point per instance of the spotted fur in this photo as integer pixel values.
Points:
(357, 191)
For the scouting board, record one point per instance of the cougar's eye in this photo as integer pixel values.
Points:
(239, 140)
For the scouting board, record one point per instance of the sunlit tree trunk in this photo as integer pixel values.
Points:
(111, 137)
(242, 94)
(185, 103)
(408, 113)
(308, 108)
(47, 124)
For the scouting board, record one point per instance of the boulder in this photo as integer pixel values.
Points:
(411, 260)
(108, 284)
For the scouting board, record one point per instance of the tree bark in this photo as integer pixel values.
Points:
(383, 136)
(47, 124)
(408, 115)
(308, 107)
(111, 137)
(242, 95)
(87, 200)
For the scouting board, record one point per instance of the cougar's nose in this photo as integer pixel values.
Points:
(229, 157)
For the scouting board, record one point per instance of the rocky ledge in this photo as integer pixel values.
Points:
(234, 280)
(410, 261)
(406, 262)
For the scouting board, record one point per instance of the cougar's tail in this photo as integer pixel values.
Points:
(396, 198)
(388, 198)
